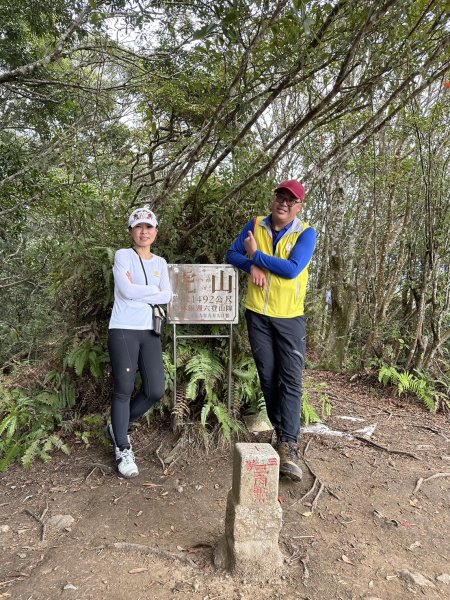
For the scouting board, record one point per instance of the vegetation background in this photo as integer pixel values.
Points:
(199, 109)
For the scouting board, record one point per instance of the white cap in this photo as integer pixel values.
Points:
(143, 215)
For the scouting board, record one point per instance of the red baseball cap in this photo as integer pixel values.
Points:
(294, 186)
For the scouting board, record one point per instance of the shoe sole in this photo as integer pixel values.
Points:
(291, 474)
(130, 476)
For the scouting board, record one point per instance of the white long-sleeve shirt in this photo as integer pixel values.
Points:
(131, 308)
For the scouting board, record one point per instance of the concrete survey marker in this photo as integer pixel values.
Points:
(253, 515)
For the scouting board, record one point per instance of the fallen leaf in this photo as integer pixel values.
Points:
(281, 499)
(164, 493)
(180, 548)
(347, 560)
(21, 574)
(407, 524)
(308, 513)
(138, 570)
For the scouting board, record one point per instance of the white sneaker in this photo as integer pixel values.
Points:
(125, 462)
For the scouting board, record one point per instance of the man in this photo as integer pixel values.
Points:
(275, 251)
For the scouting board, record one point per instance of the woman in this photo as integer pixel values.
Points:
(141, 279)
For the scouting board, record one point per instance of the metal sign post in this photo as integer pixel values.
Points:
(203, 294)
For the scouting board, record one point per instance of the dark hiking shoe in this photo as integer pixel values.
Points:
(289, 456)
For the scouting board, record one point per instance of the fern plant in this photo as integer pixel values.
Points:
(203, 369)
(87, 356)
(41, 447)
(201, 380)
(27, 426)
(309, 413)
(247, 394)
(64, 387)
(417, 384)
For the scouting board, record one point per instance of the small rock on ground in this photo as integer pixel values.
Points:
(61, 521)
(416, 578)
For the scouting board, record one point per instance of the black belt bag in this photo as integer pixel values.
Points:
(159, 319)
(159, 316)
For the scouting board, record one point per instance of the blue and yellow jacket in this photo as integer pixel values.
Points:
(282, 297)
(284, 266)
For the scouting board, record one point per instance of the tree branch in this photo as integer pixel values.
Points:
(53, 56)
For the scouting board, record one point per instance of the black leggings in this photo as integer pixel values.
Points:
(130, 350)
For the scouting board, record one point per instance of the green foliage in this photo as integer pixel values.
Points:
(202, 391)
(417, 384)
(309, 412)
(65, 388)
(226, 421)
(326, 405)
(247, 395)
(86, 428)
(87, 356)
(41, 447)
(204, 370)
(27, 426)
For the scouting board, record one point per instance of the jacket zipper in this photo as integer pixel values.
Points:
(269, 281)
(266, 300)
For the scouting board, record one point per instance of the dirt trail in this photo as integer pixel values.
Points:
(354, 541)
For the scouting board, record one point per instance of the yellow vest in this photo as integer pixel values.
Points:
(282, 297)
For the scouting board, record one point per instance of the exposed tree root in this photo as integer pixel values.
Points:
(317, 481)
(40, 520)
(154, 552)
(421, 480)
(436, 431)
(361, 438)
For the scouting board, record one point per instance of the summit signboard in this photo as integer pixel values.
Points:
(203, 294)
